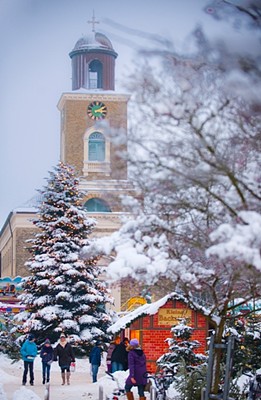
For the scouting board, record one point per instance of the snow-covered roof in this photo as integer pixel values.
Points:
(95, 92)
(92, 94)
(31, 206)
(145, 309)
(94, 41)
(25, 210)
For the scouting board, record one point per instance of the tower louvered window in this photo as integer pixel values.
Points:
(96, 147)
(95, 75)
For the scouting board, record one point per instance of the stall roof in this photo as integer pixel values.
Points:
(145, 309)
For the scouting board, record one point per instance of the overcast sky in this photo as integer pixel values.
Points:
(35, 69)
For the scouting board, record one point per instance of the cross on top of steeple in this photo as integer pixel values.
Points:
(93, 22)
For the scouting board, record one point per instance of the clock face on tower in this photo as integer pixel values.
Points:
(97, 110)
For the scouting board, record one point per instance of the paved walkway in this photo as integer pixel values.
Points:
(81, 387)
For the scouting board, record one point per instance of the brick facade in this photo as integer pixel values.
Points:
(75, 123)
(22, 249)
(13, 243)
(152, 333)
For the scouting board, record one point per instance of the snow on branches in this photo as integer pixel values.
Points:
(64, 293)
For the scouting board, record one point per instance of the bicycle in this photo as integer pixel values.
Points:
(117, 393)
(160, 383)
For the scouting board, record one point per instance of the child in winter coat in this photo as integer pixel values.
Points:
(47, 358)
(29, 352)
(95, 360)
(64, 352)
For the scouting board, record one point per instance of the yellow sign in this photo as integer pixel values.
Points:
(172, 316)
(135, 302)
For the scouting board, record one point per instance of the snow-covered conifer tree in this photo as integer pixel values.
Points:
(9, 338)
(63, 292)
(187, 366)
(247, 354)
(181, 349)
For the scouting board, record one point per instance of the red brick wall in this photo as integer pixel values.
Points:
(152, 335)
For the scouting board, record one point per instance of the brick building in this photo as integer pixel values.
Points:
(151, 324)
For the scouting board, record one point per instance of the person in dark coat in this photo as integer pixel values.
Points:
(126, 353)
(65, 354)
(28, 353)
(47, 358)
(137, 367)
(110, 350)
(95, 360)
(119, 357)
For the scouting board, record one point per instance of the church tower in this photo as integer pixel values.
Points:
(91, 114)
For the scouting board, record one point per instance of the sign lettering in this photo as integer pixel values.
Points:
(172, 316)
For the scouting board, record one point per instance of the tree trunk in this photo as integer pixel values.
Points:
(218, 356)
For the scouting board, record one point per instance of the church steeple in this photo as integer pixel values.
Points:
(93, 62)
(85, 143)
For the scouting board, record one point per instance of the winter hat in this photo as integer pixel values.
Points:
(62, 335)
(134, 342)
(47, 341)
(30, 337)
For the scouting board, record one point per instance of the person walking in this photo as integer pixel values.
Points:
(29, 352)
(46, 355)
(119, 357)
(137, 367)
(65, 355)
(95, 360)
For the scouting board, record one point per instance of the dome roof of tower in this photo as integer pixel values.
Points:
(94, 41)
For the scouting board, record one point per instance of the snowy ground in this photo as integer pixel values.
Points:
(81, 386)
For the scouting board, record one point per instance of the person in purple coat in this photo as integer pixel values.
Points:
(137, 367)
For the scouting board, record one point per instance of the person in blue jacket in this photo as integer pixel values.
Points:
(28, 353)
(47, 358)
(95, 360)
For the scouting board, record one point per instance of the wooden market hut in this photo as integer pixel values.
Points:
(151, 324)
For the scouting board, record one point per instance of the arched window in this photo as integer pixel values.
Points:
(97, 205)
(95, 75)
(96, 147)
